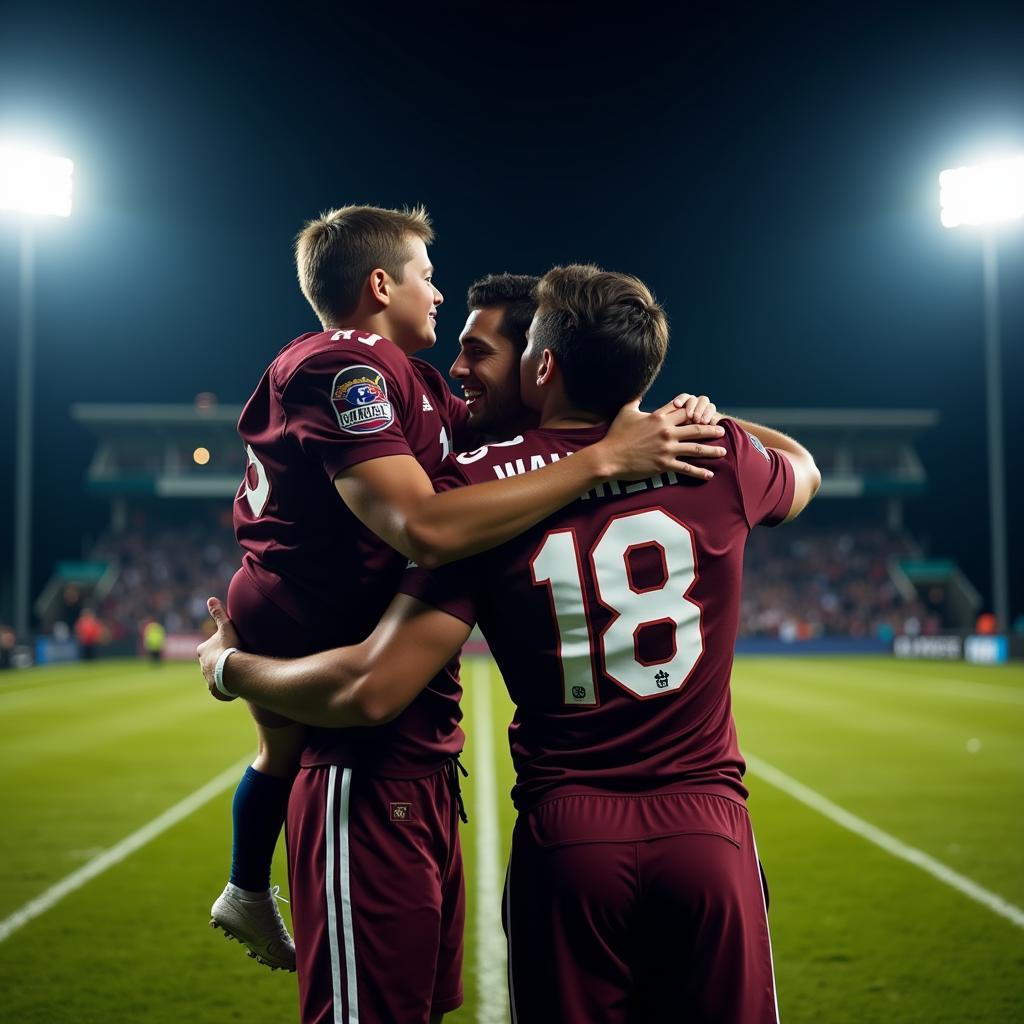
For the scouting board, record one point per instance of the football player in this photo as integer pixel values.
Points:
(342, 435)
(633, 882)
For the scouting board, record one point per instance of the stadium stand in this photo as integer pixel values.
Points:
(165, 574)
(806, 582)
(846, 569)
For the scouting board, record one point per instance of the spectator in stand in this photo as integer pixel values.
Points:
(7, 642)
(153, 637)
(987, 624)
(89, 633)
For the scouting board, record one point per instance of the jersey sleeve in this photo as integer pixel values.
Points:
(454, 588)
(765, 478)
(450, 475)
(346, 407)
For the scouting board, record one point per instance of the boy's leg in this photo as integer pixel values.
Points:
(247, 910)
(261, 800)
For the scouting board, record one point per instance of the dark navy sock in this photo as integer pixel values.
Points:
(258, 812)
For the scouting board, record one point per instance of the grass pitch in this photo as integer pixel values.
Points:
(931, 754)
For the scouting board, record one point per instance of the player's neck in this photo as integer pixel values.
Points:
(377, 323)
(565, 417)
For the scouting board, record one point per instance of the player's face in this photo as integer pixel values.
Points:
(412, 312)
(487, 368)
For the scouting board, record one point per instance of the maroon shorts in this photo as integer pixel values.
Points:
(263, 626)
(637, 908)
(378, 901)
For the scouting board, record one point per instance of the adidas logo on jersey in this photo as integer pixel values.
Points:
(427, 407)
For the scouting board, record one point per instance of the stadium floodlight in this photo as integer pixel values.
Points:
(983, 194)
(31, 182)
(987, 195)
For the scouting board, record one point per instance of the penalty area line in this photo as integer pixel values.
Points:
(807, 796)
(125, 848)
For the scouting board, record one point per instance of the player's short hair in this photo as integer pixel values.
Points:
(335, 254)
(517, 293)
(606, 331)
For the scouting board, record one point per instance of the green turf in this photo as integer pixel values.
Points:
(88, 754)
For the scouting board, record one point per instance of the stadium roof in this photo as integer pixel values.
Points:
(150, 448)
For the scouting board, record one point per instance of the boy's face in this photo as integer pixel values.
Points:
(487, 368)
(412, 313)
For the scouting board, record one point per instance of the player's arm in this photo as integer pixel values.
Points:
(806, 475)
(368, 684)
(394, 497)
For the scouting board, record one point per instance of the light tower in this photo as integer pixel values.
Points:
(986, 195)
(33, 184)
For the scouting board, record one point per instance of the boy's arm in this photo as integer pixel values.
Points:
(394, 497)
(368, 684)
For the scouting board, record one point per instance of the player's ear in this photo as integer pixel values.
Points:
(379, 284)
(546, 367)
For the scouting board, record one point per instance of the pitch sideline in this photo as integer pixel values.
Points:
(809, 797)
(492, 994)
(127, 846)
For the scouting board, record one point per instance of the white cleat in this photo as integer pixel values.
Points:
(255, 922)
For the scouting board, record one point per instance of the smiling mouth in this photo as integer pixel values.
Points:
(472, 394)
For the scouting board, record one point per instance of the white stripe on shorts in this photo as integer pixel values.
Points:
(337, 852)
(764, 903)
(349, 934)
(332, 918)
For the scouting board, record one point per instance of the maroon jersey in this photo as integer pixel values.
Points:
(614, 621)
(327, 402)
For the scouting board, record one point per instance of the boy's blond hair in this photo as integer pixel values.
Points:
(336, 253)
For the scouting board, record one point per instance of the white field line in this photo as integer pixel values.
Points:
(125, 848)
(492, 991)
(805, 795)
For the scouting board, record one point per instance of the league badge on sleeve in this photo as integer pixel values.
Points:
(360, 399)
(760, 447)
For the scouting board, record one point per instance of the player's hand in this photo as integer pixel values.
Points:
(640, 444)
(210, 650)
(700, 408)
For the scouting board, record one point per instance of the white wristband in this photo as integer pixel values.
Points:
(218, 673)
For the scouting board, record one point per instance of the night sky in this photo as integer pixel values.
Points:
(773, 177)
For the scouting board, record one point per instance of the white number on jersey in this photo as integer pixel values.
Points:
(346, 335)
(468, 458)
(446, 444)
(258, 495)
(557, 563)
